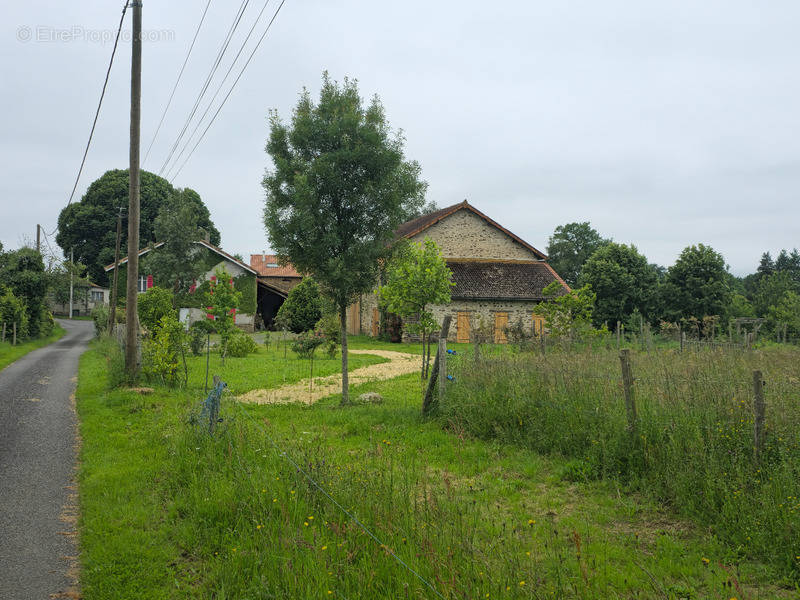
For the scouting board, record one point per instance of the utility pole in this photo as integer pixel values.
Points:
(112, 313)
(71, 278)
(38, 238)
(131, 320)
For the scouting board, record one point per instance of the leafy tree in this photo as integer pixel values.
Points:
(569, 313)
(303, 306)
(786, 312)
(623, 282)
(60, 274)
(740, 306)
(766, 266)
(90, 226)
(697, 284)
(12, 310)
(154, 305)
(570, 247)
(22, 271)
(174, 264)
(417, 277)
(223, 300)
(770, 291)
(339, 188)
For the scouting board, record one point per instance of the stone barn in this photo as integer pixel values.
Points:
(498, 276)
(275, 281)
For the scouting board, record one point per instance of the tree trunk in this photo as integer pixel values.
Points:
(422, 372)
(345, 381)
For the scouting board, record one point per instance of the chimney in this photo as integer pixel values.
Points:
(264, 257)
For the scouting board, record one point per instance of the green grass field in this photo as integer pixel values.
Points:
(9, 353)
(168, 511)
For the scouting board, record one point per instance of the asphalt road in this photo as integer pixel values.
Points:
(37, 461)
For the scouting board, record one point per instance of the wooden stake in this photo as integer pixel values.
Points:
(627, 384)
(442, 354)
(427, 400)
(759, 411)
(14, 343)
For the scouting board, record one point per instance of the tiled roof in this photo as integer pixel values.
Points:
(415, 226)
(261, 262)
(501, 280)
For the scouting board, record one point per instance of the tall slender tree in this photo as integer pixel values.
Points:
(339, 186)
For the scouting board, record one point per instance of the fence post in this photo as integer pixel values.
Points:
(442, 367)
(683, 340)
(14, 343)
(427, 400)
(759, 411)
(617, 335)
(627, 384)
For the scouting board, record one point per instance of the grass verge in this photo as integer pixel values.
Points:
(168, 511)
(9, 353)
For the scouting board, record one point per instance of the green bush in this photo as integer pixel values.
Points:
(48, 323)
(164, 352)
(100, 318)
(12, 310)
(303, 307)
(305, 344)
(328, 327)
(240, 345)
(154, 305)
(198, 336)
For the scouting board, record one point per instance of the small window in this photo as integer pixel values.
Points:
(97, 296)
(272, 265)
(142, 283)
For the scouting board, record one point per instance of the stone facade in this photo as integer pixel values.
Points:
(466, 235)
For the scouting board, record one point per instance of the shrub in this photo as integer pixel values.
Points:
(115, 359)
(12, 310)
(305, 344)
(240, 345)
(328, 328)
(198, 333)
(154, 305)
(164, 351)
(100, 318)
(303, 307)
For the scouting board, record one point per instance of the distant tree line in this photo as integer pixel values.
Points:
(697, 287)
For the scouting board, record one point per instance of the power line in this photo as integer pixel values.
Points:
(177, 81)
(225, 99)
(217, 61)
(99, 104)
(219, 87)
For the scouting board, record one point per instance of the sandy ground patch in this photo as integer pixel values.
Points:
(400, 363)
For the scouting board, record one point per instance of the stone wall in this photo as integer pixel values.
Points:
(466, 235)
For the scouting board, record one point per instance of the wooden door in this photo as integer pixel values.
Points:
(462, 328)
(376, 322)
(500, 324)
(538, 325)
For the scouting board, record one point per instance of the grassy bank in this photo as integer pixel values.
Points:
(691, 448)
(9, 353)
(168, 511)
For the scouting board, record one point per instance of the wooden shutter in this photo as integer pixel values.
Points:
(500, 324)
(376, 322)
(462, 328)
(538, 324)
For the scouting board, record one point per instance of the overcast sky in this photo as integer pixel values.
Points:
(662, 123)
